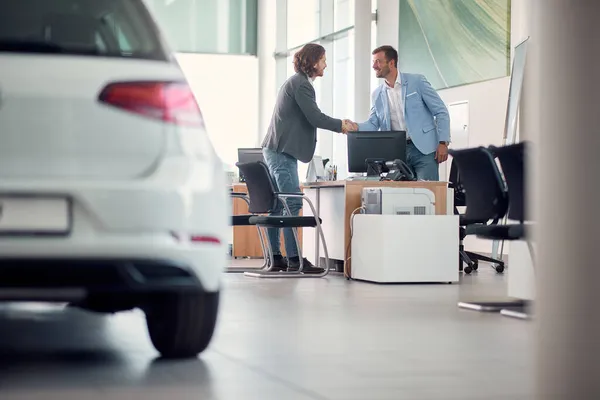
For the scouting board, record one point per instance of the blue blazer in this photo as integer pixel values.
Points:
(426, 115)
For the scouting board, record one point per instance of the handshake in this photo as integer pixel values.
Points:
(349, 126)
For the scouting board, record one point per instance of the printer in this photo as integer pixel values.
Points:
(398, 201)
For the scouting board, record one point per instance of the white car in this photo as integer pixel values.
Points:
(111, 195)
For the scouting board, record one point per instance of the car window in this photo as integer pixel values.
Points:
(111, 28)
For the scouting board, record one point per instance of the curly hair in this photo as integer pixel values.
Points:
(306, 58)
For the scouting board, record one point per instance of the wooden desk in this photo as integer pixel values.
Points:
(352, 191)
(246, 242)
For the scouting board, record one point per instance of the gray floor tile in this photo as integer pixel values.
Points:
(324, 339)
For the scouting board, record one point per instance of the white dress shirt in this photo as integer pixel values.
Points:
(396, 102)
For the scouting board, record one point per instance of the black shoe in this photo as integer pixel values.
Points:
(307, 266)
(280, 263)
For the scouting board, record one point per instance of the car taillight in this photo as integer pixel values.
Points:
(204, 239)
(172, 102)
(183, 237)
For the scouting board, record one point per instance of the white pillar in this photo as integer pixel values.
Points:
(281, 42)
(388, 23)
(566, 135)
(362, 59)
(267, 69)
(326, 26)
(223, 26)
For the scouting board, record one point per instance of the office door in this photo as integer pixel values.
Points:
(459, 132)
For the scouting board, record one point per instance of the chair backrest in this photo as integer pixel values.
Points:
(261, 190)
(485, 191)
(455, 183)
(512, 161)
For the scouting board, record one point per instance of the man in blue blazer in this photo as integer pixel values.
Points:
(407, 102)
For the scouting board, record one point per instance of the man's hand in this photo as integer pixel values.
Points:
(441, 153)
(349, 126)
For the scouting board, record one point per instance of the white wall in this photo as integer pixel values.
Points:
(226, 87)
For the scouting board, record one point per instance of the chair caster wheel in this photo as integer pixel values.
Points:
(468, 270)
(475, 265)
(500, 268)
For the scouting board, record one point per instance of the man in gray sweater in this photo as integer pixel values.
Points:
(292, 137)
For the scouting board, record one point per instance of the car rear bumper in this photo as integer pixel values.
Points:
(116, 227)
(141, 262)
(82, 276)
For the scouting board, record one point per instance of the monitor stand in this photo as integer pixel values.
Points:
(375, 167)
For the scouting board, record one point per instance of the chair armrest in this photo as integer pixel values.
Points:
(238, 194)
(289, 194)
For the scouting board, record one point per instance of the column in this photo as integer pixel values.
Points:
(281, 42)
(222, 32)
(362, 60)
(388, 23)
(326, 26)
(566, 133)
(268, 31)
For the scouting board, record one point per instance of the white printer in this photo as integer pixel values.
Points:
(398, 201)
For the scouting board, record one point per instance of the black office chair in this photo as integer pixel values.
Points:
(486, 192)
(244, 220)
(477, 185)
(264, 200)
(512, 161)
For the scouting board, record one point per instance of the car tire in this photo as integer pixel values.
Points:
(181, 325)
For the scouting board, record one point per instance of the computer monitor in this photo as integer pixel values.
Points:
(249, 155)
(368, 151)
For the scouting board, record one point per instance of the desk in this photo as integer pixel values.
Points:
(336, 200)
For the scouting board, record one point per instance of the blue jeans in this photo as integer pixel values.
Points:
(284, 172)
(425, 166)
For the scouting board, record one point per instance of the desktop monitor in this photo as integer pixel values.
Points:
(369, 151)
(249, 155)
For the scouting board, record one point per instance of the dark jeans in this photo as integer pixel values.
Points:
(284, 172)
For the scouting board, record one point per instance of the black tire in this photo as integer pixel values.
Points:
(500, 268)
(475, 265)
(181, 325)
(468, 270)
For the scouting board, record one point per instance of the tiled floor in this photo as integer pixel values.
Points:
(283, 340)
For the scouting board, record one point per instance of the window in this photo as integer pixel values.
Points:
(343, 95)
(343, 75)
(227, 129)
(208, 26)
(303, 17)
(374, 80)
(330, 23)
(344, 14)
(110, 28)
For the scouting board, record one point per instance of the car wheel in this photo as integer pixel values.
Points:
(181, 325)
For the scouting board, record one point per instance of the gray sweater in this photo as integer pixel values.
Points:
(293, 127)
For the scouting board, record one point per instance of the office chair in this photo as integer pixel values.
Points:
(487, 194)
(244, 220)
(477, 185)
(264, 200)
(512, 162)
